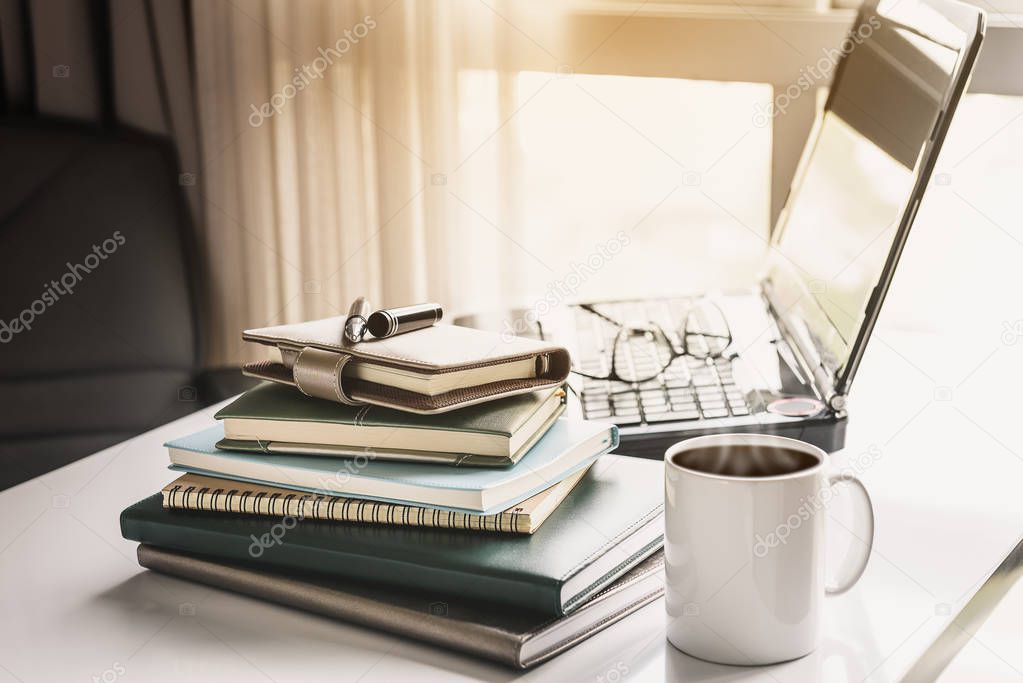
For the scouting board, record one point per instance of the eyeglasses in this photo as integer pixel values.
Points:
(639, 353)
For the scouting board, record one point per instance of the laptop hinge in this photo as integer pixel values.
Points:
(809, 361)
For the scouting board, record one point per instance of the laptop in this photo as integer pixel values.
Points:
(781, 358)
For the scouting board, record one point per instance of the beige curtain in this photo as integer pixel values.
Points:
(334, 164)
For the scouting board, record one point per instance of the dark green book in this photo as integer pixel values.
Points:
(611, 522)
(274, 418)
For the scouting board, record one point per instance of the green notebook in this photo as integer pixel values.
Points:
(274, 418)
(610, 523)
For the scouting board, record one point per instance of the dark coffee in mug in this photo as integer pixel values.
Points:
(751, 461)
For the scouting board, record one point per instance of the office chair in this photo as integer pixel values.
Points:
(99, 323)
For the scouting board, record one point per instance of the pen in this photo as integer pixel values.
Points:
(391, 321)
(355, 323)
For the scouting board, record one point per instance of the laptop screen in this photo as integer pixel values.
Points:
(842, 220)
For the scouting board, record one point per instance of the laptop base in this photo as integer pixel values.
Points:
(826, 432)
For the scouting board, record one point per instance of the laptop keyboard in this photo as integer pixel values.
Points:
(689, 389)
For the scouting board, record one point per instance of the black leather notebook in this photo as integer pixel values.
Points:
(611, 521)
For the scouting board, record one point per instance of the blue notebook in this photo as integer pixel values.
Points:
(570, 445)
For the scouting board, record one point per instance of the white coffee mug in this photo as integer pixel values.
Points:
(745, 524)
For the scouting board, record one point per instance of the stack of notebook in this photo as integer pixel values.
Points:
(499, 527)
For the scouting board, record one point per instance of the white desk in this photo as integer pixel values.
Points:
(946, 488)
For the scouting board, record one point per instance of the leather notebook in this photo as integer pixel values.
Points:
(432, 370)
(272, 418)
(610, 523)
(515, 637)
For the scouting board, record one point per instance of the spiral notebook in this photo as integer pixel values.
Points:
(212, 494)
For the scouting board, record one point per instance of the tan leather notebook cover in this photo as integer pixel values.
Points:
(432, 370)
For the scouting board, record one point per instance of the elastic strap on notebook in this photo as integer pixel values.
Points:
(318, 373)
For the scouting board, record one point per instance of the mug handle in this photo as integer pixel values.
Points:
(854, 570)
